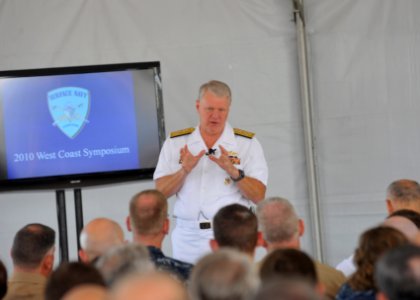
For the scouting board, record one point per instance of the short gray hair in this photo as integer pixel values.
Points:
(226, 274)
(404, 190)
(218, 88)
(277, 219)
(124, 260)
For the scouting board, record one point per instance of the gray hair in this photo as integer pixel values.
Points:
(218, 88)
(277, 219)
(397, 273)
(226, 274)
(404, 190)
(124, 260)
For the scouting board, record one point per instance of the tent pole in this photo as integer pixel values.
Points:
(307, 113)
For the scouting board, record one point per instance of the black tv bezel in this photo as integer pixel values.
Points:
(97, 178)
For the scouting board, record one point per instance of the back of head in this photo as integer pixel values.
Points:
(412, 215)
(70, 275)
(98, 236)
(372, 244)
(236, 226)
(31, 244)
(404, 193)
(124, 260)
(3, 280)
(286, 289)
(88, 292)
(278, 220)
(148, 212)
(223, 275)
(404, 225)
(289, 263)
(150, 286)
(397, 273)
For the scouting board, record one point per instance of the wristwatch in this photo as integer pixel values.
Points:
(240, 177)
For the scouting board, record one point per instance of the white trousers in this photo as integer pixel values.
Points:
(189, 242)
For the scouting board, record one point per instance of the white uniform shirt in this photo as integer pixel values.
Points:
(208, 187)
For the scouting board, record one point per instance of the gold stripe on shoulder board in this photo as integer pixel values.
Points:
(182, 132)
(243, 133)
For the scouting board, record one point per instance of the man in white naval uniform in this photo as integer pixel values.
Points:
(208, 167)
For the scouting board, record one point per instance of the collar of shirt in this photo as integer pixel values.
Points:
(227, 139)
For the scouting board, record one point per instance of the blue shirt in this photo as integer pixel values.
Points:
(347, 293)
(174, 266)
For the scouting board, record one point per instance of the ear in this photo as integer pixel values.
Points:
(301, 227)
(214, 245)
(128, 224)
(260, 240)
(381, 296)
(47, 264)
(83, 256)
(197, 104)
(320, 289)
(166, 226)
(389, 206)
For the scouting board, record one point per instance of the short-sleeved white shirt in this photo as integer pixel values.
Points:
(208, 187)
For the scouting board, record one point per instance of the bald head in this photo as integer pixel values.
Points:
(403, 194)
(98, 236)
(404, 225)
(151, 286)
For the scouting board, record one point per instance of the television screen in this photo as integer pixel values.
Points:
(77, 126)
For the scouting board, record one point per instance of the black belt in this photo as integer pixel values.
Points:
(205, 225)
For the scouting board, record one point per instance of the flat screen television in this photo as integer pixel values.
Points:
(79, 126)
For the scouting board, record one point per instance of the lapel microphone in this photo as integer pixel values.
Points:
(211, 151)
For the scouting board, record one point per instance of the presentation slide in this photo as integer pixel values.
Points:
(69, 124)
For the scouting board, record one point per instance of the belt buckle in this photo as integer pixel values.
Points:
(205, 225)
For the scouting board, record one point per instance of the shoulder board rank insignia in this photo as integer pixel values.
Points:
(182, 132)
(243, 133)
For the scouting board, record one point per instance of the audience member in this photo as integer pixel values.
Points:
(282, 228)
(403, 221)
(286, 289)
(290, 263)
(403, 194)
(87, 292)
(235, 226)
(372, 244)
(33, 259)
(397, 274)
(223, 275)
(149, 224)
(3, 280)
(122, 261)
(97, 237)
(151, 286)
(70, 275)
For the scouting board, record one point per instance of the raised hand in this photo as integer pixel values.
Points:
(225, 163)
(188, 160)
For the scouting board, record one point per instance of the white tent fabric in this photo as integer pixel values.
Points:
(365, 72)
(364, 65)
